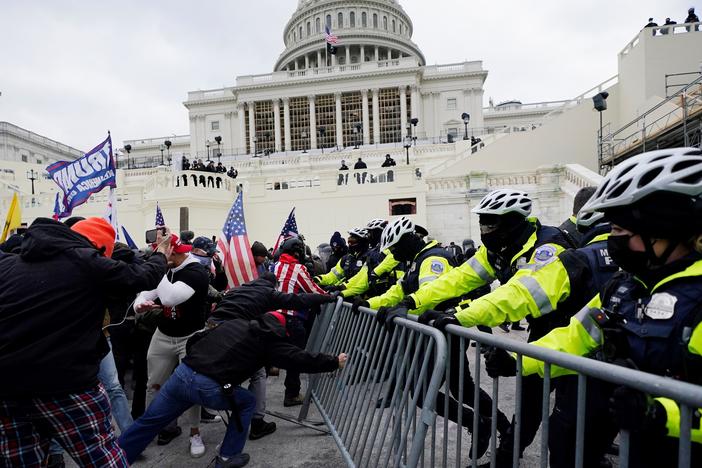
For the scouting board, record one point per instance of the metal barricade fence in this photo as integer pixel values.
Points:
(381, 409)
(381, 405)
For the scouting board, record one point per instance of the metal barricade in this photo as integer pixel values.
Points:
(380, 407)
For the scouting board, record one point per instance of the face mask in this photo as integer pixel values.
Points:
(624, 257)
(204, 261)
(494, 241)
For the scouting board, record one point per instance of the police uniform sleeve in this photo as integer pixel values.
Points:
(431, 269)
(389, 298)
(672, 410)
(473, 273)
(582, 335)
(387, 265)
(358, 284)
(334, 276)
(529, 292)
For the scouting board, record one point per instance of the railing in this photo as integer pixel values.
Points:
(660, 31)
(381, 409)
(570, 103)
(157, 141)
(653, 123)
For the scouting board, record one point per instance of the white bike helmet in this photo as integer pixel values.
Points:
(359, 232)
(376, 223)
(588, 219)
(394, 231)
(503, 201)
(675, 170)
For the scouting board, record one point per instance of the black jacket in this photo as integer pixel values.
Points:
(253, 299)
(236, 349)
(52, 304)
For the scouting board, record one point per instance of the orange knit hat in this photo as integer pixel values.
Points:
(99, 232)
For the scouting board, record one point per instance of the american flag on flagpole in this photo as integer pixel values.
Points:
(159, 216)
(329, 37)
(289, 230)
(234, 244)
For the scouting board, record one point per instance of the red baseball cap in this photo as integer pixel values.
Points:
(178, 246)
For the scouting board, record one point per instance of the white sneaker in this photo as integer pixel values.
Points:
(197, 447)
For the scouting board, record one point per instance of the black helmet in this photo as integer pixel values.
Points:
(293, 246)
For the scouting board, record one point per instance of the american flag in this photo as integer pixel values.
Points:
(234, 244)
(289, 230)
(329, 37)
(159, 216)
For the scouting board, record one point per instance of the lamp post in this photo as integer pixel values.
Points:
(128, 149)
(31, 175)
(599, 102)
(255, 141)
(163, 147)
(356, 131)
(303, 135)
(414, 121)
(168, 149)
(466, 118)
(408, 144)
(218, 139)
(322, 132)
(207, 144)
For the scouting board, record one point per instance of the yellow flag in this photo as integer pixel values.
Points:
(14, 218)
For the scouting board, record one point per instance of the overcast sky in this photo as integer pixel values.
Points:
(71, 70)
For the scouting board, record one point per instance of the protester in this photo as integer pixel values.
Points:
(338, 250)
(668, 22)
(261, 257)
(389, 162)
(570, 224)
(52, 340)
(209, 376)
(181, 296)
(343, 167)
(692, 18)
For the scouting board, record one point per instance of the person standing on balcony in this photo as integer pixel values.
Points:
(360, 178)
(692, 18)
(389, 162)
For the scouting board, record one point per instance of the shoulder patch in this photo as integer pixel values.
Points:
(544, 254)
(437, 267)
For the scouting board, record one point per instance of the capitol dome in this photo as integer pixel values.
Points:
(368, 30)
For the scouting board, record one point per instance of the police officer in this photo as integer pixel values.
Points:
(550, 294)
(351, 263)
(649, 316)
(570, 225)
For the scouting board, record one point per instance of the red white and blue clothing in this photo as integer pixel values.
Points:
(293, 278)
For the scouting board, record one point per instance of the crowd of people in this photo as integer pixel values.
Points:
(208, 166)
(691, 18)
(618, 281)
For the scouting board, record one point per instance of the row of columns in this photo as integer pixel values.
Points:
(313, 118)
(347, 52)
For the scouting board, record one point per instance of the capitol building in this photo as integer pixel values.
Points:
(287, 131)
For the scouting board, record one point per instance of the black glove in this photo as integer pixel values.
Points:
(331, 289)
(430, 315)
(358, 302)
(499, 363)
(636, 411)
(386, 315)
(445, 320)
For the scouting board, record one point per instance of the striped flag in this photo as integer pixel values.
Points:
(234, 244)
(289, 230)
(159, 216)
(329, 37)
(111, 213)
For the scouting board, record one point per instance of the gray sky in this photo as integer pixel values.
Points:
(70, 70)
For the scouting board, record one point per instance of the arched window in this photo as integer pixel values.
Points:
(393, 25)
(309, 28)
(400, 28)
(364, 20)
(340, 20)
(375, 20)
(385, 23)
(328, 22)
(294, 36)
(300, 33)
(352, 19)
(316, 26)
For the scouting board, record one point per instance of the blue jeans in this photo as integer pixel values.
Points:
(182, 390)
(119, 405)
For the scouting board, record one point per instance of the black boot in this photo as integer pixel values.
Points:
(261, 428)
(484, 432)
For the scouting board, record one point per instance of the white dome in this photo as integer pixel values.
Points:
(368, 23)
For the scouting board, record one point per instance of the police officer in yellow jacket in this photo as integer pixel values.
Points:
(650, 316)
(553, 292)
(349, 264)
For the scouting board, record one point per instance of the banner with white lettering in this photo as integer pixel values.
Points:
(85, 176)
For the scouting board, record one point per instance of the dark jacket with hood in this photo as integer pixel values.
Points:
(236, 349)
(255, 298)
(52, 305)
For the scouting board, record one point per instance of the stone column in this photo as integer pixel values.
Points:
(307, 61)
(240, 147)
(436, 98)
(252, 126)
(339, 122)
(202, 130)
(229, 131)
(348, 55)
(333, 60)
(286, 123)
(377, 54)
(319, 58)
(363, 54)
(194, 137)
(313, 123)
(276, 124)
(376, 117)
(403, 110)
(364, 113)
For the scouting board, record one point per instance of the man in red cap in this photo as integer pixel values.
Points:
(181, 297)
(217, 362)
(52, 304)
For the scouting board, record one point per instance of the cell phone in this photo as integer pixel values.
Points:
(152, 233)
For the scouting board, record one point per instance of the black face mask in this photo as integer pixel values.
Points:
(407, 247)
(628, 260)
